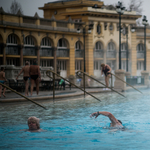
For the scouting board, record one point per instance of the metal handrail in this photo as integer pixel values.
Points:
(126, 83)
(22, 95)
(98, 81)
(67, 81)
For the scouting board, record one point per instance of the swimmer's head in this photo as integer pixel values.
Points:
(102, 65)
(27, 63)
(33, 120)
(120, 121)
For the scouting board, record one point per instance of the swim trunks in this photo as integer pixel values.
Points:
(34, 77)
(1, 81)
(25, 78)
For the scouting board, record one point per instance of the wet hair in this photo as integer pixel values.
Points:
(37, 120)
(27, 63)
(2, 68)
(102, 65)
(120, 121)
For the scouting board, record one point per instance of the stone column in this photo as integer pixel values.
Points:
(21, 54)
(127, 74)
(38, 55)
(120, 85)
(105, 56)
(55, 60)
(146, 77)
(4, 54)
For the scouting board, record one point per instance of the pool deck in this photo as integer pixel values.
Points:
(48, 95)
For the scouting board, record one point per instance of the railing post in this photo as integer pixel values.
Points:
(84, 84)
(53, 86)
(111, 81)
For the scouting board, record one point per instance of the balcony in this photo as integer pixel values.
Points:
(62, 53)
(111, 54)
(12, 50)
(79, 53)
(98, 53)
(29, 51)
(47, 52)
(140, 54)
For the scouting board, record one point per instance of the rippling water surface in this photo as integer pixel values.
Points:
(68, 125)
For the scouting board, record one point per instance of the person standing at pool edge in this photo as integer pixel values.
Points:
(114, 121)
(25, 71)
(2, 80)
(106, 70)
(35, 75)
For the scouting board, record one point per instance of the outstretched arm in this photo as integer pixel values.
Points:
(19, 73)
(4, 76)
(39, 73)
(105, 113)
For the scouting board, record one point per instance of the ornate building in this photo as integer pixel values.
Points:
(54, 41)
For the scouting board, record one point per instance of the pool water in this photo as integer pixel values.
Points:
(68, 125)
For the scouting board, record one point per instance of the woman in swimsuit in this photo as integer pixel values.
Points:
(106, 69)
(2, 80)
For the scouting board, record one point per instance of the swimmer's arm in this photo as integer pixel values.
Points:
(105, 113)
(4, 76)
(39, 72)
(20, 73)
(96, 114)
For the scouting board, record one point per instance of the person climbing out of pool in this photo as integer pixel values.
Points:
(114, 122)
(106, 70)
(34, 124)
(25, 71)
(2, 80)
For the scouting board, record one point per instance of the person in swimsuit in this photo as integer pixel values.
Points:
(35, 75)
(2, 80)
(25, 71)
(34, 124)
(106, 69)
(114, 122)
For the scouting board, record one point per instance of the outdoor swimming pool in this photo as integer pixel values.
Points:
(68, 125)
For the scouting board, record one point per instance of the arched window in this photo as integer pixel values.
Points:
(78, 45)
(12, 39)
(62, 43)
(140, 47)
(29, 40)
(111, 46)
(98, 46)
(46, 42)
(123, 47)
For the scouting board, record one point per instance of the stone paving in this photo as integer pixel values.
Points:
(43, 95)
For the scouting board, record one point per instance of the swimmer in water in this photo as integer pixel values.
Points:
(114, 121)
(34, 124)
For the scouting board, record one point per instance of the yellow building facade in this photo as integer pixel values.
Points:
(54, 41)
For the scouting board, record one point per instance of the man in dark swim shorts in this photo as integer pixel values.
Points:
(106, 70)
(25, 71)
(35, 75)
